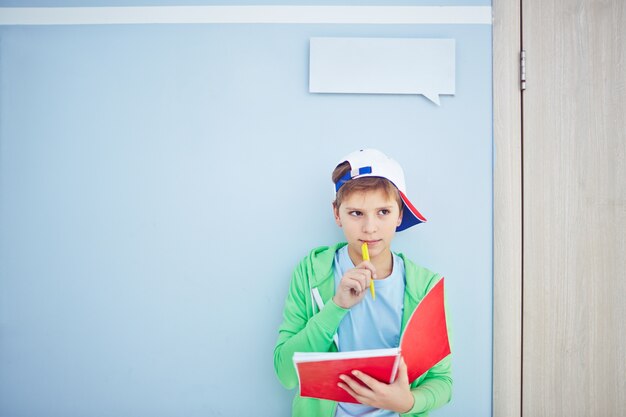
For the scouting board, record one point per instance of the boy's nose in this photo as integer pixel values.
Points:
(369, 225)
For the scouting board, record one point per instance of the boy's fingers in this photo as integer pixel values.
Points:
(368, 266)
(366, 274)
(356, 283)
(354, 386)
(360, 278)
(366, 379)
(349, 390)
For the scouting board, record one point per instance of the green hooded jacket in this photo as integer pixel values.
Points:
(306, 329)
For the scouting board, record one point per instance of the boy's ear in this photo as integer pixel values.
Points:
(336, 214)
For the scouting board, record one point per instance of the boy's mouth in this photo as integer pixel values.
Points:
(370, 242)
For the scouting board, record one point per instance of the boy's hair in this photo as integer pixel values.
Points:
(362, 184)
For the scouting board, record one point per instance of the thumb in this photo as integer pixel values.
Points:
(403, 375)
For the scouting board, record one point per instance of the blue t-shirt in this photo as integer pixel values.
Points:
(371, 324)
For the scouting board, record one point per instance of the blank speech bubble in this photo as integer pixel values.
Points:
(382, 66)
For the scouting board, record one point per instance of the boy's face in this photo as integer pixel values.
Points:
(369, 216)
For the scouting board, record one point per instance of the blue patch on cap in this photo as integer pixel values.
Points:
(348, 176)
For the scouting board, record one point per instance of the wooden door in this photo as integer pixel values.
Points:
(574, 208)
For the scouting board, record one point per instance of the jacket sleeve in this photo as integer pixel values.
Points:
(435, 390)
(299, 332)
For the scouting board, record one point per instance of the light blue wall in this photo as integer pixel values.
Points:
(159, 183)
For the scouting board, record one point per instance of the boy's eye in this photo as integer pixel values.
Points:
(384, 212)
(355, 213)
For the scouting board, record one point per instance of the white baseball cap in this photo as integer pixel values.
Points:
(374, 163)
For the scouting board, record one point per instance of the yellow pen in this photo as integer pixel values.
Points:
(366, 257)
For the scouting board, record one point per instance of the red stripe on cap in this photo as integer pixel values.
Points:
(411, 207)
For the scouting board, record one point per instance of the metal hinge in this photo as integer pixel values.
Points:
(522, 68)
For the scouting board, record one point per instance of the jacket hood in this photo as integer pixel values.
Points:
(319, 263)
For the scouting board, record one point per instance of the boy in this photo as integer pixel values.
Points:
(328, 307)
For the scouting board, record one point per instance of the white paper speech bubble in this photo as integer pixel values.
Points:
(383, 66)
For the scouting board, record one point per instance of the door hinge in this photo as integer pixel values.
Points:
(522, 69)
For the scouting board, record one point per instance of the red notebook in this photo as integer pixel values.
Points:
(423, 344)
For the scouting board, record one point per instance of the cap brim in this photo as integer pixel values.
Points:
(410, 216)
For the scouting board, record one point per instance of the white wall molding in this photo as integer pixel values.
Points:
(480, 15)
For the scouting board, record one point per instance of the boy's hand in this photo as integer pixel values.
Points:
(354, 285)
(395, 396)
